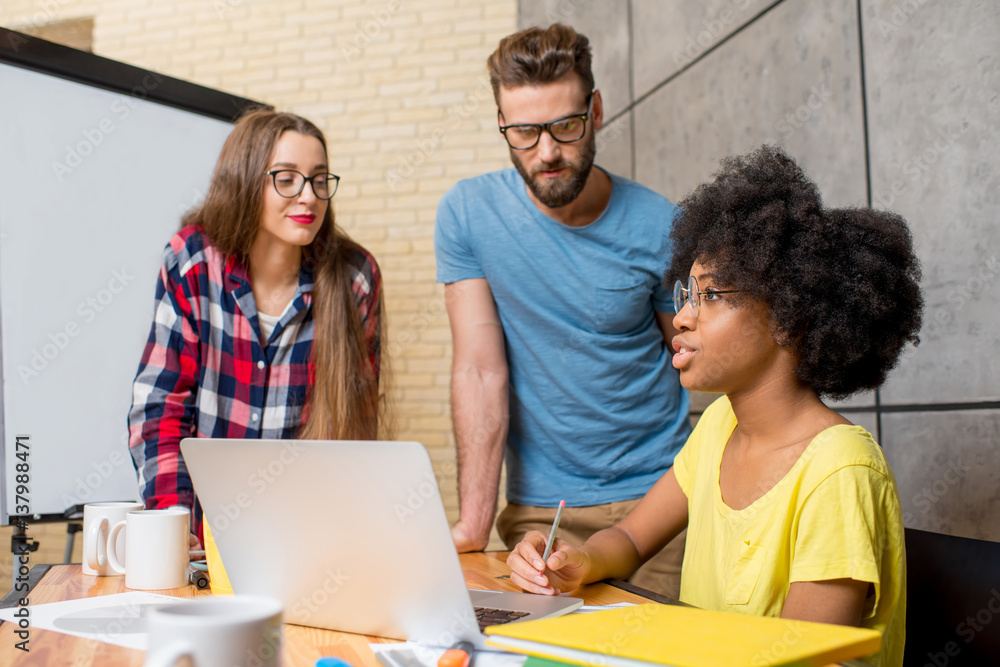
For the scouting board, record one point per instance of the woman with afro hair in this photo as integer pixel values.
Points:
(791, 510)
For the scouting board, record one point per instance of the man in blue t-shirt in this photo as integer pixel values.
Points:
(560, 321)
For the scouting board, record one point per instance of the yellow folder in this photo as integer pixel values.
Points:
(683, 637)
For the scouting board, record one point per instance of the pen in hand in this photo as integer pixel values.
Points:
(552, 533)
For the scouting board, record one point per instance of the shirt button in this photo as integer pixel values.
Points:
(260, 365)
(254, 417)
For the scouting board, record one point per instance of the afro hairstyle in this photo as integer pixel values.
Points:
(840, 285)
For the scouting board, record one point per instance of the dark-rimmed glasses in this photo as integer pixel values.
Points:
(289, 183)
(692, 297)
(565, 130)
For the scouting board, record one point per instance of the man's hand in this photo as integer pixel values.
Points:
(466, 540)
(479, 407)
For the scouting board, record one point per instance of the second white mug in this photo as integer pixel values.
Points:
(157, 545)
(98, 519)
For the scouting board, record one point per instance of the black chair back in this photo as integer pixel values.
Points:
(952, 601)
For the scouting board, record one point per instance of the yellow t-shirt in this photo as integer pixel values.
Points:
(834, 515)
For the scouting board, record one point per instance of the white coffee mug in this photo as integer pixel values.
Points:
(98, 518)
(216, 631)
(157, 545)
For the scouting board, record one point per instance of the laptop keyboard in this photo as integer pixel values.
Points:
(487, 616)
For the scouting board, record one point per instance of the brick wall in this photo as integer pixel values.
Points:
(399, 88)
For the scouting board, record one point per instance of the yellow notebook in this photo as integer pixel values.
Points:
(683, 637)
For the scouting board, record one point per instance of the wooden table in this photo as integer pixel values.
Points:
(301, 646)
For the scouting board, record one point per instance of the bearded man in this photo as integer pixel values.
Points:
(560, 321)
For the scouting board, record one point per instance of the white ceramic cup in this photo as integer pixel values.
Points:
(98, 519)
(216, 631)
(157, 545)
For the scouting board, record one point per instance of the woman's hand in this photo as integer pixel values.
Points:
(565, 570)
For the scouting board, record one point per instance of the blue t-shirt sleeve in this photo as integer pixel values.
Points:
(663, 295)
(455, 258)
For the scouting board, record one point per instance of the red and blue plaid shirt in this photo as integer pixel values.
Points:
(205, 372)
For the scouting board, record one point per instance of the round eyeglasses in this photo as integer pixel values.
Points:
(289, 183)
(692, 297)
(565, 130)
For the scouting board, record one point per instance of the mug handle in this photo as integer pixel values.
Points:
(95, 558)
(113, 561)
(169, 655)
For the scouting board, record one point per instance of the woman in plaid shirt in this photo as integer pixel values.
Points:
(256, 274)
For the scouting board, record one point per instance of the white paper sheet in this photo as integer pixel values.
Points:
(116, 619)
(588, 608)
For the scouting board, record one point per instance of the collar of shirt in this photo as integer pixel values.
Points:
(237, 281)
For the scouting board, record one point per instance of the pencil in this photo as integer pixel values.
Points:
(552, 533)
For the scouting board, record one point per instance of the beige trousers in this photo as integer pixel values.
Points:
(661, 573)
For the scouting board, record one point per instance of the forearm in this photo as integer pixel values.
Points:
(658, 518)
(163, 408)
(162, 475)
(611, 554)
(158, 420)
(480, 413)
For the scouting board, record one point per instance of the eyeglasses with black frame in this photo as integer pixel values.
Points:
(691, 296)
(289, 183)
(565, 130)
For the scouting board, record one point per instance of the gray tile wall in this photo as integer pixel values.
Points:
(901, 99)
(792, 77)
(668, 36)
(947, 466)
(933, 80)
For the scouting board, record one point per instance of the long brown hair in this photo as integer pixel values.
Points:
(343, 402)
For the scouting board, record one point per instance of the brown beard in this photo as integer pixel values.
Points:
(559, 192)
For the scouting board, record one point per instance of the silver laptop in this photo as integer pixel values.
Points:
(350, 535)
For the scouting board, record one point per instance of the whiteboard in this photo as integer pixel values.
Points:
(92, 186)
